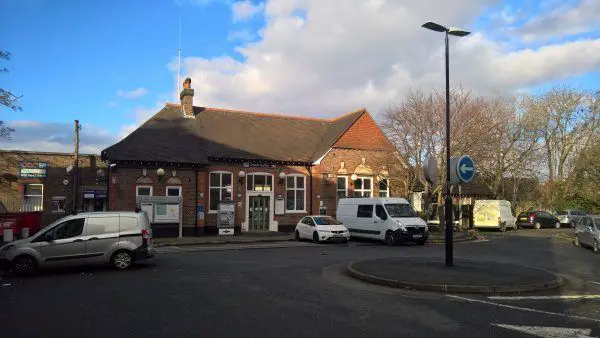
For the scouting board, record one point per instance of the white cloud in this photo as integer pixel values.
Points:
(246, 9)
(241, 35)
(305, 63)
(112, 104)
(56, 137)
(563, 21)
(132, 94)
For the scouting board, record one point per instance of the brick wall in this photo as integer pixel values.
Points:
(364, 134)
(327, 171)
(11, 186)
(122, 193)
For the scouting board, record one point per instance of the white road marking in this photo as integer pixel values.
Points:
(523, 308)
(548, 331)
(561, 297)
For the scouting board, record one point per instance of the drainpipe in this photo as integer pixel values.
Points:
(309, 168)
(196, 202)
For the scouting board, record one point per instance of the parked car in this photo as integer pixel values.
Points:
(391, 220)
(493, 214)
(587, 233)
(321, 229)
(118, 238)
(570, 217)
(537, 219)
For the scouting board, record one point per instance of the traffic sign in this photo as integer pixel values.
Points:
(430, 170)
(465, 169)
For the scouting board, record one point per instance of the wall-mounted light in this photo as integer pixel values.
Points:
(241, 176)
(354, 177)
(281, 177)
(160, 172)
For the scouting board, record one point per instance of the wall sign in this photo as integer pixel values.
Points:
(33, 169)
(279, 205)
(258, 165)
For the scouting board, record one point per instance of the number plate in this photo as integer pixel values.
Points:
(523, 218)
(417, 236)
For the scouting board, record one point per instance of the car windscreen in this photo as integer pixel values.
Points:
(561, 212)
(400, 210)
(325, 221)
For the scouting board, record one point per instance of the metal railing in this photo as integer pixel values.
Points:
(29, 204)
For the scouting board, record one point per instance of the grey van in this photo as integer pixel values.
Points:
(570, 217)
(587, 233)
(118, 238)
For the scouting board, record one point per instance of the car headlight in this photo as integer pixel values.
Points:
(401, 226)
(7, 247)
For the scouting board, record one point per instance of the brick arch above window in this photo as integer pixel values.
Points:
(143, 180)
(173, 181)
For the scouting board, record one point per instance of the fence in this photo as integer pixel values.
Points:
(29, 204)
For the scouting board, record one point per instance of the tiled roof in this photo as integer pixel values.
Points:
(170, 137)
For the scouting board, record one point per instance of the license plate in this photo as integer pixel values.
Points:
(417, 236)
(523, 218)
(338, 235)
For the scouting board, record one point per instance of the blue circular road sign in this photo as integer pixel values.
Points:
(465, 169)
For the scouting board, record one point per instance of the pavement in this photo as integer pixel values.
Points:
(465, 276)
(264, 237)
(302, 291)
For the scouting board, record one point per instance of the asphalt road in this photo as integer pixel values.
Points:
(297, 291)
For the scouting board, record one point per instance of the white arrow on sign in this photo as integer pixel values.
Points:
(549, 331)
(464, 168)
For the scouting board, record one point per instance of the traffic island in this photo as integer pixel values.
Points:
(466, 276)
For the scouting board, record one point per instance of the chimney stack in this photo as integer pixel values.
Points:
(187, 98)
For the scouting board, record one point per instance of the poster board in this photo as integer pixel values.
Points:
(279, 205)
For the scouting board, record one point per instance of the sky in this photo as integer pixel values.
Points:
(113, 64)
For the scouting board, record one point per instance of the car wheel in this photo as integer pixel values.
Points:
(24, 265)
(595, 247)
(537, 225)
(390, 238)
(516, 227)
(316, 237)
(297, 236)
(576, 241)
(122, 260)
(557, 225)
(503, 227)
(572, 224)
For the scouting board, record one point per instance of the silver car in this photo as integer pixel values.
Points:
(118, 238)
(587, 233)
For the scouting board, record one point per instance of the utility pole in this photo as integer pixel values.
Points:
(76, 167)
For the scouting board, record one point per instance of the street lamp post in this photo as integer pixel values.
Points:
(448, 205)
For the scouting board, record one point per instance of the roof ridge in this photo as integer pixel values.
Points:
(276, 115)
(361, 110)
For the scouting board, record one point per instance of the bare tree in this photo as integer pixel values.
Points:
(7, 99)
(566, 119)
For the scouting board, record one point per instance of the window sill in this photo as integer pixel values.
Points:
(295, 212)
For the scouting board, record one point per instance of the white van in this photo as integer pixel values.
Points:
(391, 220)
(493, 214)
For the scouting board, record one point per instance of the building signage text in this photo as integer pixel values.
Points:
(33, 169)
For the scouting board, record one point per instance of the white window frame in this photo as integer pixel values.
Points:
(362, 191)
(295, 211)
(337, 189)
(387, 191)
(137, 190)
(251, 176)
(41, 204)
(220, 187)
(178, 187)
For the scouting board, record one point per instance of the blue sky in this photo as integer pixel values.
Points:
(110, 63)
